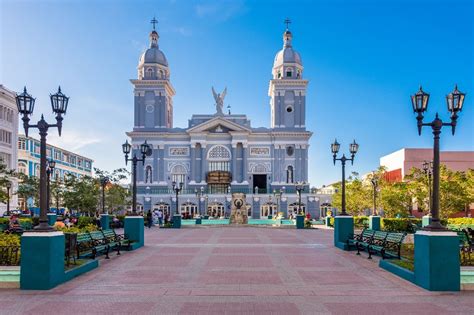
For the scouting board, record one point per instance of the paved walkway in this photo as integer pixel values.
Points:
(233, 270)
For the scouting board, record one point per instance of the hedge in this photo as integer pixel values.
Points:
(408, 225)
(85, 221)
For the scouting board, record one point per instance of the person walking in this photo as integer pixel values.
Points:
(149, 218)
(160, 217)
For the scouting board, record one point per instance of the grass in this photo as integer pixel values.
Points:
(407, 264)
(78, 263)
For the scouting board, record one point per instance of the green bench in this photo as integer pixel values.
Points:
(89, 246)
(466, 245)
(377, 238)
(390, 247)
(114, 240)
(365, 235)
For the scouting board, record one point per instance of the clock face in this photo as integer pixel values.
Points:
(150, 108)
(290, 150)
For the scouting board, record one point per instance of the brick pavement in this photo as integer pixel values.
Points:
(237, 270)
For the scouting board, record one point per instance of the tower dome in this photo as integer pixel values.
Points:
(287, 63)
(154, 54)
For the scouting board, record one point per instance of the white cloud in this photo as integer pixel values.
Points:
(74, 140)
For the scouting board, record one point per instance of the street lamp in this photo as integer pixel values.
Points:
(177, 189)
(9, 186)
(199, 193)
(455, 101)
(428, 169)
(375, 184)
(25, 103)
(353, 147)
(299, 190)
(104, 180)
(145, 151)
(49, 172)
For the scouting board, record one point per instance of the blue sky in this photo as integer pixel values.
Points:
(363, 59)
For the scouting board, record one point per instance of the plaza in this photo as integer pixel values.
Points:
(237, 270)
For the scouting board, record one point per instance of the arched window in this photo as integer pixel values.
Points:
(149, 73)
(148, 175)
(189, 210)
(279, 74)
(216, 210)
(22, 168)
(267, 209)
(289, 174)
(162, 74)
(219, 158)
(289, 72)
(178, 174)
(293, 209)
(298, 74)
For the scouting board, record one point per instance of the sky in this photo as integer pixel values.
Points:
(363, 60)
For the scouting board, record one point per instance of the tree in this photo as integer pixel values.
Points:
(57, 193)
(81, 194)
(116, 196)
(28, 187)
(358, 195)
(5, 177)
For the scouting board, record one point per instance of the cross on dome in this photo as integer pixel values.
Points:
(154, 22)
(287, 22)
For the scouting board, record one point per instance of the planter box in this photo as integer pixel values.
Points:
(397, 270)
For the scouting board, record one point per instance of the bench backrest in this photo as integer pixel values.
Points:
(109, 234)
(97, 235)
(367, 234)
(83, 238)
(380, 236)
(396, 238)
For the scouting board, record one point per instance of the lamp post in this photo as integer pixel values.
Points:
(199, 193)
(9, 186)
(428, 169)
(455, 101)
(177, 189)
(353, 147)
(49, 172)
(145, 151)
(299, 190)
(103, 183)
(25, 103)
(375, 184)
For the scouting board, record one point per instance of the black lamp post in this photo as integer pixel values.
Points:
(454, 101)
(9, 186)
(49, 172)
(177, 189)
(375, 184)
(25, 103)
(299, 190)
(145, 151)
(353, 147)
(103, 183)
(428, 169)
(199, 193)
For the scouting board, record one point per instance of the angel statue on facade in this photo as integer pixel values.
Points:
(219, 97)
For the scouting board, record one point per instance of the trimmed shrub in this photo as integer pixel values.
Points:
(361, 222)
(9, 239)
(408, 225)
(85, 221)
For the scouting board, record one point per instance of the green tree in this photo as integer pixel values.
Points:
(358, 195)
(6, 176)
(81, 194)
(116, 196)
(28, 187)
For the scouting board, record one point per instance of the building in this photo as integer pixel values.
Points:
(8, 137)
(67, 162)
(399, 163)
(219, 152)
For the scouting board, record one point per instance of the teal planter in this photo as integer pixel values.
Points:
(343, 229)
(105, 221)
(177, 221)
(52, 217)
(426, 220)
(374, 223)
(300, 221)
(42, 260)
(198, 221)
(437, 265)
(327, 221)
(270, 217)
(134, 227)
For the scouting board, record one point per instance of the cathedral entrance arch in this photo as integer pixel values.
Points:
(267, 209)
(216, 210)
(293, 209)
(163, 206)
(189, 210)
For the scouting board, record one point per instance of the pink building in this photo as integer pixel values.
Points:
(399, 163)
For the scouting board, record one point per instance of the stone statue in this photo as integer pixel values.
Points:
(238, 214)
(219, 97)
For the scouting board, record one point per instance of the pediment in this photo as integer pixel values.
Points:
(218, 125)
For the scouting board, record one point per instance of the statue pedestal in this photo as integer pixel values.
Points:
(238, 213)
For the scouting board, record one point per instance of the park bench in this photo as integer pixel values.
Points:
(9, 255)
(124, 240)
(113, 239)
(377, 239)
(365, 235)
(100, 240)
(389, 247)
(466, 245)
(87, 246)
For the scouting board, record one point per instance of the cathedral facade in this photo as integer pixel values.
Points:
(220, 153)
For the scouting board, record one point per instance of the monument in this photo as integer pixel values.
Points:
(238, 214)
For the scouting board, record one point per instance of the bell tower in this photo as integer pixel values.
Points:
(153, 90)
(287, 88)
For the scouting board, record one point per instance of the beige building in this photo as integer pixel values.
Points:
(8, 137)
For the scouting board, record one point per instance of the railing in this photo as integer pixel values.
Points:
(9, 255)
(208, 191)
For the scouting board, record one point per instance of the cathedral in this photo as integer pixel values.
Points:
(220, 153)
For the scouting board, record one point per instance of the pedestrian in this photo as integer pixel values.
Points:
(149, 218)
(160, 217)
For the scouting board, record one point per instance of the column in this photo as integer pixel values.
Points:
(156, 169)
(244, 161)
(161, 162)
(192, 169)
(297, 169)
(234, 163)
(203, 162)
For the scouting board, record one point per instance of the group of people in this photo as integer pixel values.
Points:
(156, 217)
